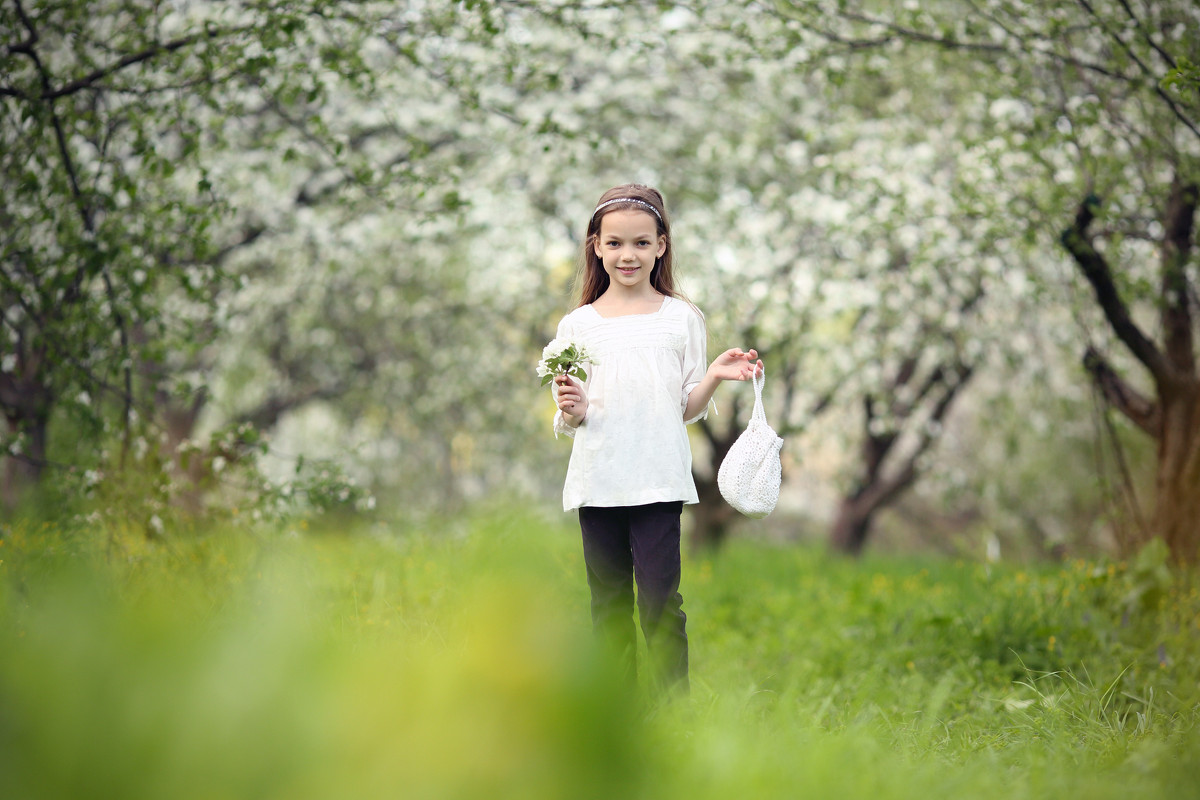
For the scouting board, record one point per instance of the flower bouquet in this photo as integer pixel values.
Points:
(563, 357)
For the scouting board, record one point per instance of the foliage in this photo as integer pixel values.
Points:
(1073, 103)
(350, 225)
(221, 477)
(451, 658)
(262, 155)
(114, 115)
(1184, 79)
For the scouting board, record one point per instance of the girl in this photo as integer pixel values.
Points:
(630, 471)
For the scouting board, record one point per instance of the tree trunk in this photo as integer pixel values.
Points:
(1172, 417)
(887, 472)
(22, 473)
(852, 525)
(711, 518)
(179, 423)
(26, 403)
(1177, 488)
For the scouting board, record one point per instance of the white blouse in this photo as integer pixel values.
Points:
(632, 447)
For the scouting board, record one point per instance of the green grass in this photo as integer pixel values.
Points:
(456, 661)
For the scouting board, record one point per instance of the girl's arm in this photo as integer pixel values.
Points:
(732, 365)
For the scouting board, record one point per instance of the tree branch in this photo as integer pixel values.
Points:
(1077, 242)
(248, 236)
(710, 435)
(881, 490)
(127, 369)
(97, 75)
(876, 446)
(877, 489)
(954, 379)
(1138, 409)
(1146, 35)
(922, 37)
(268, 413)
(24, 47)
(30, 311)
(1044, 48)
(1176, 295)
(27, 49)
(1154, 79)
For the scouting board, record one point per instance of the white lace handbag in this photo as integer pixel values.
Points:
(749, 475)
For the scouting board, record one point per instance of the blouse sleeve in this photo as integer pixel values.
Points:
(560, 421)
(695, 360)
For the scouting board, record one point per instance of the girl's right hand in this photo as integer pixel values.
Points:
(572, 400)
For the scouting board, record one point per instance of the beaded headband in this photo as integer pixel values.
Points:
(628, 200)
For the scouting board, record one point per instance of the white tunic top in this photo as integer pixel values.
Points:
(632, 447)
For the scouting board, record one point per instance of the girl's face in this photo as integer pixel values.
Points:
(627, 245)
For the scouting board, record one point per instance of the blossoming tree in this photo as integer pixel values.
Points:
(1104, 113)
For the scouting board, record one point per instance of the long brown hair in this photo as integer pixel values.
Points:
(591, 280)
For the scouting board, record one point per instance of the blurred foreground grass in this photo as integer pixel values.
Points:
(456, 661)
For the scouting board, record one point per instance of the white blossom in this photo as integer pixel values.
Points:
(554, 349)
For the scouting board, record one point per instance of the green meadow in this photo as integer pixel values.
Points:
(453, 659)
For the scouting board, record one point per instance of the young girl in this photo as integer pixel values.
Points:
(630, 471)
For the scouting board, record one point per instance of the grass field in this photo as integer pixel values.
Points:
(454, 659)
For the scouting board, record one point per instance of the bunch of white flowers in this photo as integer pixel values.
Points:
(563, 357)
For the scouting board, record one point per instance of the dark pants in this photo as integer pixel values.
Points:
(620, 545)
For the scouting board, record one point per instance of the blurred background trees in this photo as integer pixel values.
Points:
(1099, 97)
(351, 227)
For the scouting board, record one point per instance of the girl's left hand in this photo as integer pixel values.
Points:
(736, 365)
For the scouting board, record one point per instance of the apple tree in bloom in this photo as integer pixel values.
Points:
(184, 178)
(108, 109)
(1104, 113)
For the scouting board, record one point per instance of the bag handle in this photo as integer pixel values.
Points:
(759, 381)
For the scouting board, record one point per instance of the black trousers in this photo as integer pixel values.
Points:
(627, 543)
